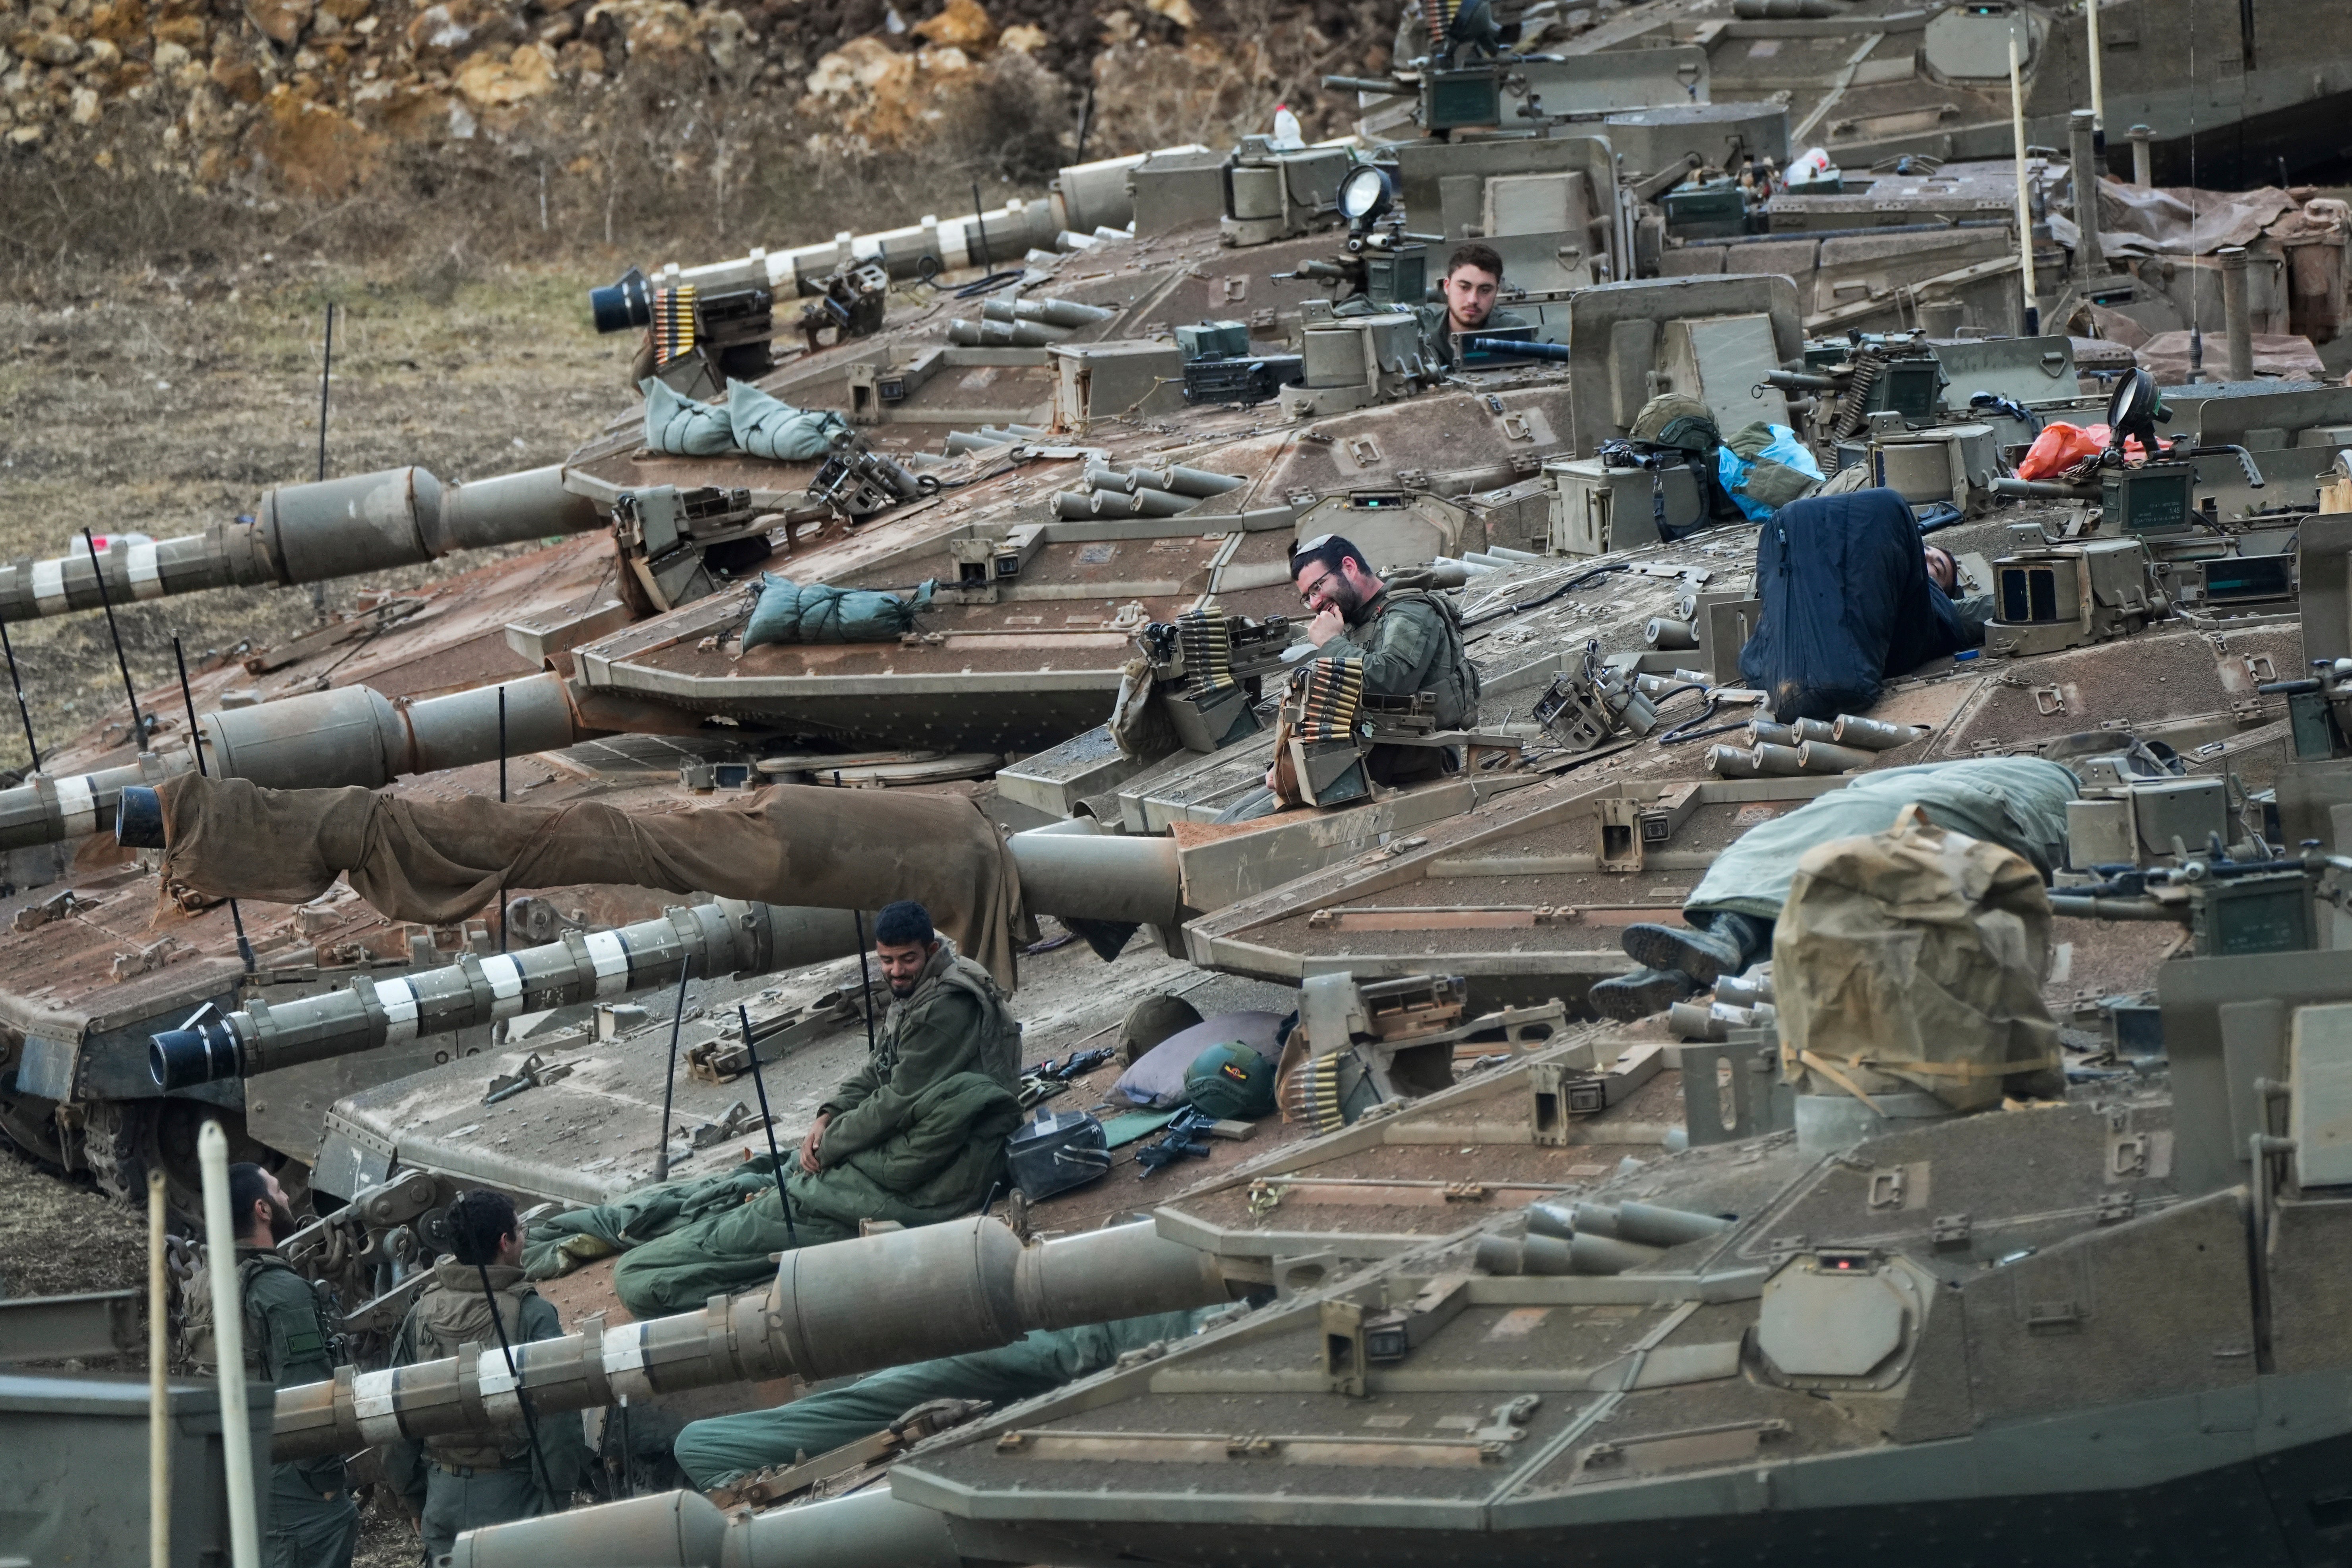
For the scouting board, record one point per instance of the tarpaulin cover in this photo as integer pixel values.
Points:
(1911, 960)
(1848, 604)
(789, 612)
(679, 426)
(768, 426)
(2018, 803)
(440, 860)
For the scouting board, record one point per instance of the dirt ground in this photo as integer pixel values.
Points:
(166, 405)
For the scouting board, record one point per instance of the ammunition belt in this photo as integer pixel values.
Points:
(673, 323)
(1206, 641)
(1330, 694)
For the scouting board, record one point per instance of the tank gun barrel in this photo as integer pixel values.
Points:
(1100, 876)
(309, 533)
(324, 740)
(839, 1309)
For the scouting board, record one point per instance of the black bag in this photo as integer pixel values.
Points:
(1055, 1153)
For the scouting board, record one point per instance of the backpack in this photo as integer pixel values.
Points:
(194, 1348)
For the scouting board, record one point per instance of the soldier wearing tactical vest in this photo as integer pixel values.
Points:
(945, 1017)
(1409, 640)
(312, 1521)
(464, 1481)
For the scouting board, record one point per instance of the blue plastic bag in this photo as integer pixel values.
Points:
(1785, 461)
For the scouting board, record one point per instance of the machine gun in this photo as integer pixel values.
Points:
(1330, 724)
(1208, 669)
(1870, 373)
(851, 303)
(696, 341)
(857, 481)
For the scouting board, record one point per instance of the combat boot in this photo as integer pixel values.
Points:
(1725, 944)
(1641, 993)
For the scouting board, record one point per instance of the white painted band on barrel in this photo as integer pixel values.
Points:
(372, 1403)
(398, 999)
(77, 805)
(146, 575)
(49, 584)
(505, 977)
(611, 957)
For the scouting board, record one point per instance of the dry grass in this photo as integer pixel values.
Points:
(163, 406)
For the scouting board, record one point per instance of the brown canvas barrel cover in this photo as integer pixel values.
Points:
(1913, 960)
(437, 861)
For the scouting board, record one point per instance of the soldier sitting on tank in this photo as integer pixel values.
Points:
(916, 1135)
(479, 1297)
(1472, 274)
(312, 1521)
(1410, 641)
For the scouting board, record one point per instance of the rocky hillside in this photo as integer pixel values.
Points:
(588, 119)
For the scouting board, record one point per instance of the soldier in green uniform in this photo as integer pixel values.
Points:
(312, 1521)
(1472, 274)
(463, 1482)
(1410, 641)
(945, 1017)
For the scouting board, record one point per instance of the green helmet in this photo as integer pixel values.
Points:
(1677, 419)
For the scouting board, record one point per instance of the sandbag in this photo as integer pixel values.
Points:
(1913, 960)
(768, 426)
(789, 612)
(679, 426)
(1848, 605)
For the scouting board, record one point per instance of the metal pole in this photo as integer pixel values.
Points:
(159, 1384)
(529, 1422)
(196, 747)
(326, 375)
(2143, 165)
(18, 684)
(981, 219)
(760, 1086)
(228, 1339)
(669, 1079)
(2237, 319)
(502, 800)
(2024, 204)
(1086, 124)
(138, 725)
(2098, 87)
(2083, 173)
(865, 979)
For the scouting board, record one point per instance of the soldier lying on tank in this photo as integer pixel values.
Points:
(479, 1297)
(916, 1135)
(1409, 640)
(1473, 275)
(312, 1521)
(2019, 803)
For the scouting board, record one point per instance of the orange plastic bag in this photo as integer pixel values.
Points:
(2059, 448)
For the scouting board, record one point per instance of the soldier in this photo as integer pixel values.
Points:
(1472, 273)
(1410, 641)
(312, 1521)
(462, 1482)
